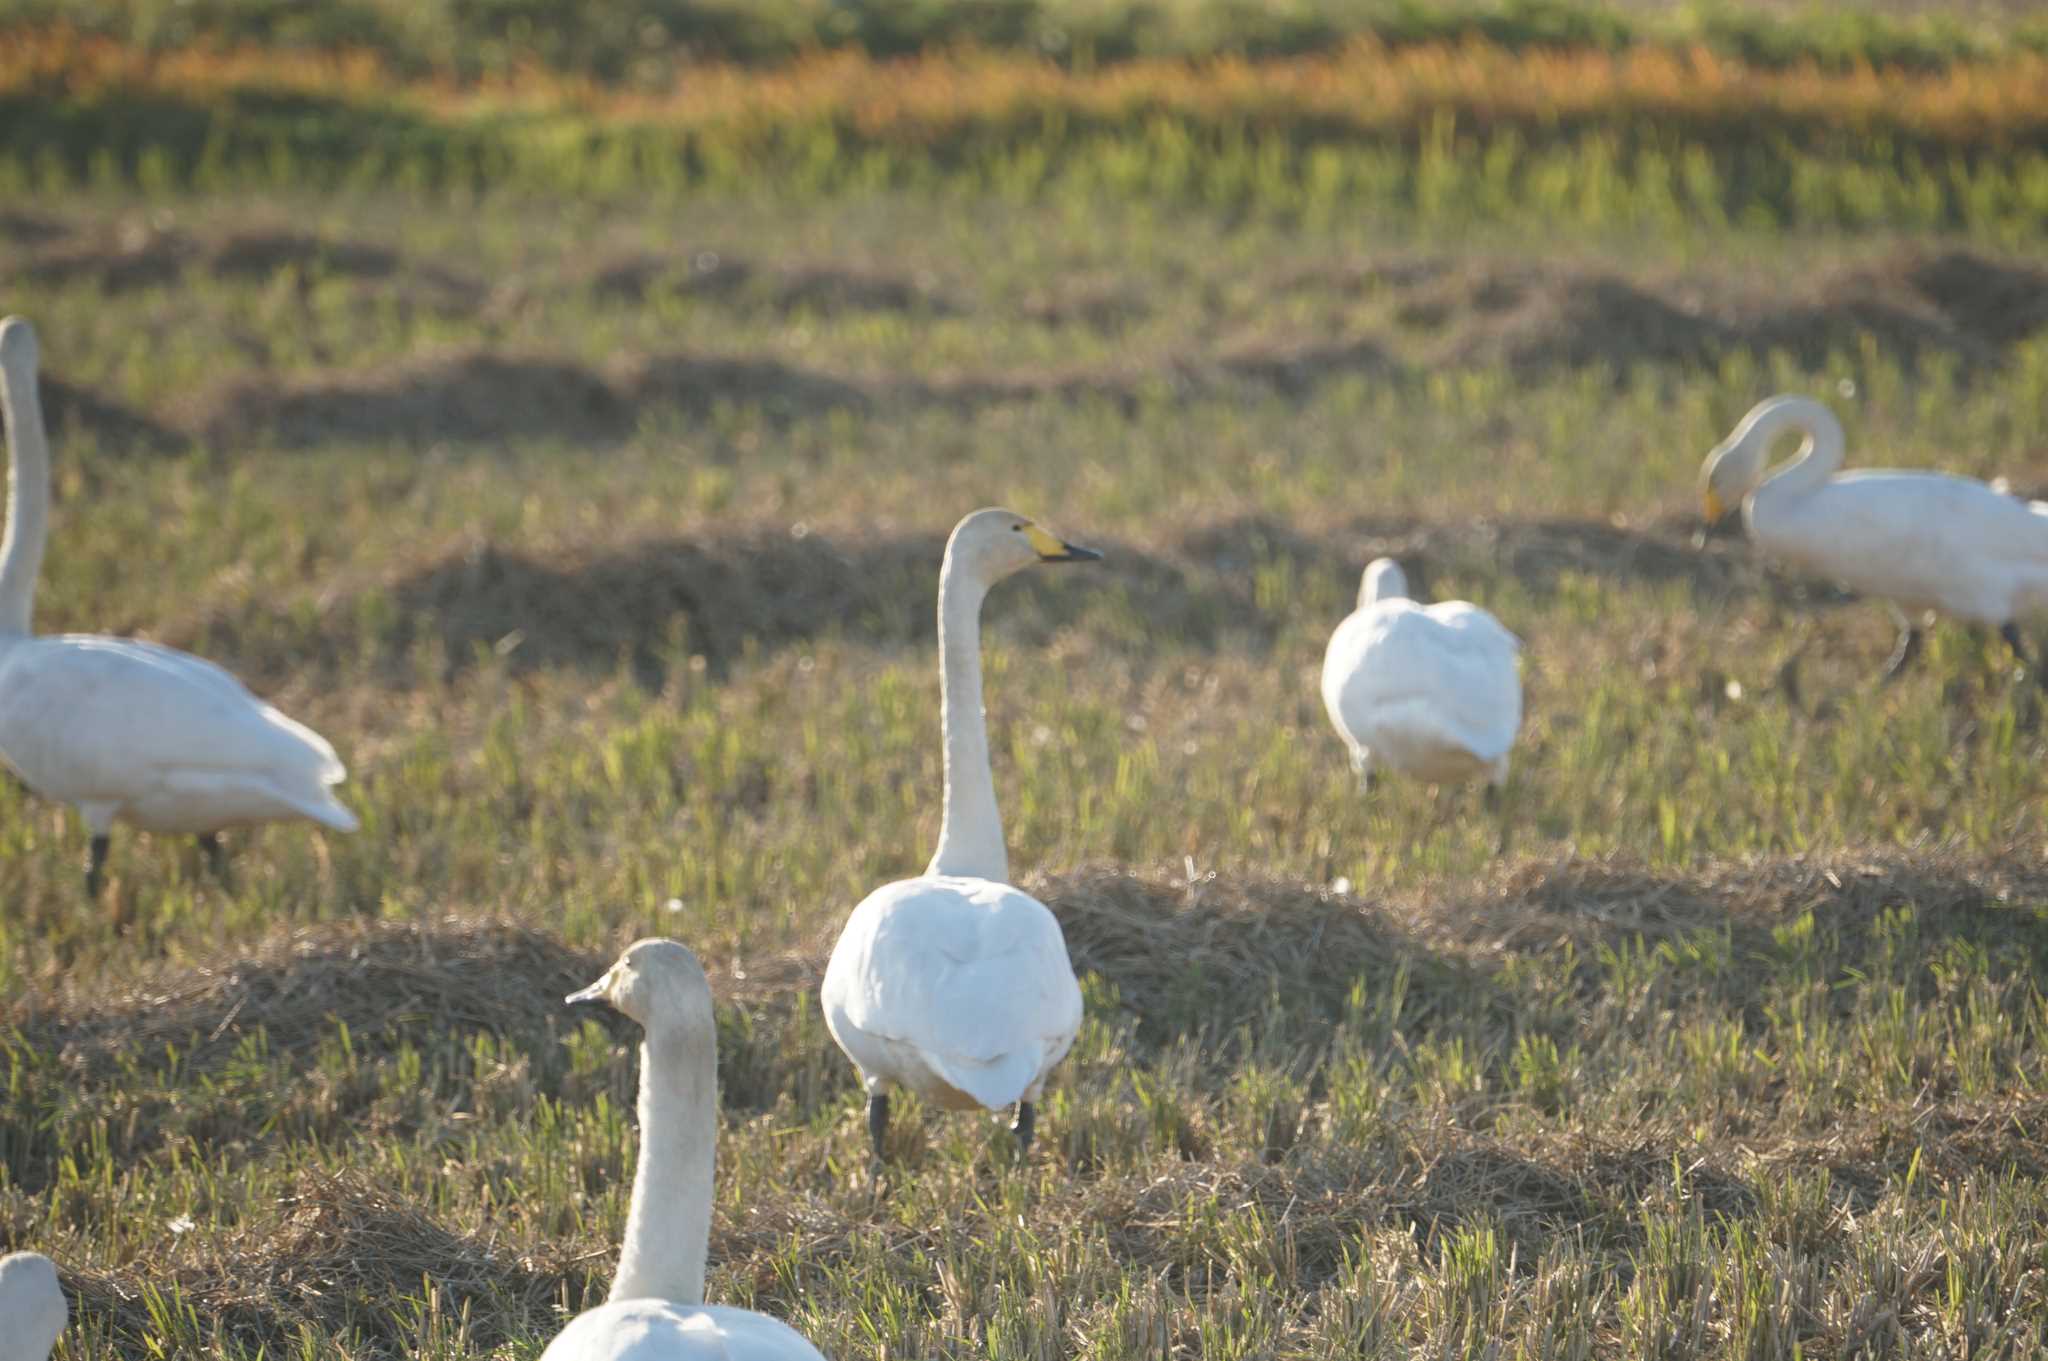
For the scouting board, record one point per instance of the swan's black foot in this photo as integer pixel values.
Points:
(1490, 800)
(216, 856)
(1027, 1122)
(1903, 654)
(878, 1121)
(95, 862)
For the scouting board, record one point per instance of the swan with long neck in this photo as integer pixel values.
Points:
(127, 730)
(954, 984)
(33, 1310)
(1429, 691)
(1918, 540)
(656, 1309)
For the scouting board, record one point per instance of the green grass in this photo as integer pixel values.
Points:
(601, 539)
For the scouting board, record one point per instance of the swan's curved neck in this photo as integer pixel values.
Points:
(970, 830)
(669, 1221)
(28, 498)
(1820, 454)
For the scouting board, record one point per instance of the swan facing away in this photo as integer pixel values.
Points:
(1919, 540)
(33, 1310)
(126, 730)
(954, 984)
(656, 1310)
(1429, 691)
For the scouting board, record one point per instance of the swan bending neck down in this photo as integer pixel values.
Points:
(954, 984)
(656, 1309)
(123, 729)
(33, 1310)
(1918, 540)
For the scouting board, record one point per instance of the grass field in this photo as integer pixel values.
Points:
(600, 531)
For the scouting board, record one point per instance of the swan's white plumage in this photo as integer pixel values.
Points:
(954, 984)
(127, 730)
(1430, 691)
(656, 1311)
(164, 741)
(1925, 540)
(959, 989)
(33, 1310)
(657, 1330)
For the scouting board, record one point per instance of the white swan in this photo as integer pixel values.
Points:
(1430, 691)
(129, 730)
(1919, 540)
(33, 1310)
(955, 984)
(656, 1310)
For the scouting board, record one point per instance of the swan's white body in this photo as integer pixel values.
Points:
(658, 1330)
(957, 988)
(127, 730)
(1429, 691)
(33, 1310)
(656, 1311)
(1924, 540)
(956, 985)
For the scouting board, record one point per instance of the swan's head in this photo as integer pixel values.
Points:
(31, 1302)
(658, 983)
(18, 349)
(1384, 580)
(1736, 466)
(991, 544)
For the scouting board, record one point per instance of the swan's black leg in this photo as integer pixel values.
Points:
(1788, 681)
(95, 861)
(878, 1119)
(2011, 633)
(216, 856)
(1904, 653)
(1027, 1123)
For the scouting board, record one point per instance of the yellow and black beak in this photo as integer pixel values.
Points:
(1716, 509)
(1052, 548)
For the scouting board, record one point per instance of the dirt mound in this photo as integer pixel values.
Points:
(715, 596)
(74, 414)
(28, 229)
(1539, 554)
(333, 1242)
(1958, 305)
(454, 975)
(1186, 956)
(823, 289)
(1098, 306)
(468, 396)
(137, 255)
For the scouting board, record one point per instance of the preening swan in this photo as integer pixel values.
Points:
(1430, 691)
(1919, 540)
(129, 730)
(656, 1310)
(33, 1310)
(954, 984)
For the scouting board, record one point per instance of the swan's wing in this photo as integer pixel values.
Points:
(971, 973)
(1885, 512)
(88, 717)
(1448, 667)
(657, 1330)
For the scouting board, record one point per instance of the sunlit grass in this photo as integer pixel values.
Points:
(1736, 1046)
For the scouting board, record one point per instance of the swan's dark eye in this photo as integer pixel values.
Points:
(1017, 528)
